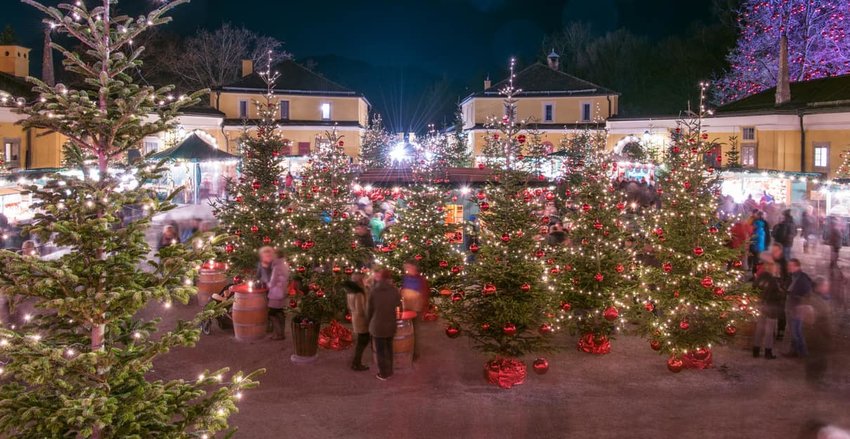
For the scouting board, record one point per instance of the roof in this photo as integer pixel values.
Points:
(194, 149)
(201, 110)
(296, 123)
(539, 79)
(294, 79)
(15, 86)
(547, 126)
(823, 93)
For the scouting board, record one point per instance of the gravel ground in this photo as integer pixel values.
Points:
(628, 393)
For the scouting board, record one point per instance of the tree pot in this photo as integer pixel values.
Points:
(305, 336)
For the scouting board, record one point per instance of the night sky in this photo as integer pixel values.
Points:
(413, 44)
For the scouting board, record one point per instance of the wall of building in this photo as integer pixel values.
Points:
(44, 149)
(343, 109)
(14, 60)
(567, 110)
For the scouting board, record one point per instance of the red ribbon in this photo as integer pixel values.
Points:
(335, 337)
(594, 344)
(698, 359)
(505, 372)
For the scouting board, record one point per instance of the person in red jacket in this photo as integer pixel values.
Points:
(741, 233)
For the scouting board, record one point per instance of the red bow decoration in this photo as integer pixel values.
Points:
(505, 372)
(698, 359)
(335, 337)
(594, 344)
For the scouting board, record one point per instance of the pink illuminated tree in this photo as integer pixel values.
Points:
(817, 44)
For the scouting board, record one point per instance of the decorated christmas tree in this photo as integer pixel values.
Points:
(504, 303)
(80, 367)
(692, 299)
(422, 232)
(844, 168)
(255, 208)
(733, 155)
(375, 145)
(598, 269)
(323, 251)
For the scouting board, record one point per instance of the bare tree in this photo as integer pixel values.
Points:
(211, 59)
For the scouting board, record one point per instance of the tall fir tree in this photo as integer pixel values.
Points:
(504, 303)
(323, 251)
(693, 297)
(254, 216)
(599, 272)
(456, 152)
(733, 154)
(375, 145)
(80, 367)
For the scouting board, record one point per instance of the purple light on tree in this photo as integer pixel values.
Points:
(817, 44)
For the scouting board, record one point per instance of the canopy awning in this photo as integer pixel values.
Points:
(194, 149)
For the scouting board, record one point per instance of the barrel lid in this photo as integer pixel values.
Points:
(244, 289)
(408, 315)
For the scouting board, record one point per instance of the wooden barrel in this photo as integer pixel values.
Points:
(402, 343)
(744, 336)
(250, 312)
(306, 338)
(211, 280)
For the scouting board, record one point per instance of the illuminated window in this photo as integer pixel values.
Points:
(821, 155)
(748, 155)
(326, 111)
(12, 153)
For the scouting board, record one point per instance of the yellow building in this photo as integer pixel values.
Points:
(308, 105)
(553, 102)
(807, 133)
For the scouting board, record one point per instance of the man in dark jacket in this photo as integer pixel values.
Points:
(785, 232)
(798, 291)
(384, 299)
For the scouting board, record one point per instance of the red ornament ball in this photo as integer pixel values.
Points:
(698, 251)
(506, 237)
(707, 282)
(731, 330)
(586, 207)
(474, 248)
(228, 248)
(509, 329)
(444, 264)
(525, 288)
(667, 267)
(341, 143)
(521, 138)
(620, 268)
(348, 317)
(255, 184)
(719, 291)
(599, 277)
(684, 325)
(255, 229)
(489, 289)
(611, 313)
(655, 345)
(545, 329)
(540, 366)
(293, 303)
(484, 206)
(675, 364)
(266, 240)
(457, 297)
(566, 307)
(453, 332)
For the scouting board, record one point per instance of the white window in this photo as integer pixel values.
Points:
(821, 155)
(243, 109)
(326, 111)
(284, 110)
(586, 114)
(748, 133)
(548, 112)
(748, 155)
(150, 145)
(12, 153)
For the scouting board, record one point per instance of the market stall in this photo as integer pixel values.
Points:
(767, 187)
(198, 166)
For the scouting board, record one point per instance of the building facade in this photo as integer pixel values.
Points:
(553, 102)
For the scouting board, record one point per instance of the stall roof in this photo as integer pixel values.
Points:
(404, 175)
(194, 149)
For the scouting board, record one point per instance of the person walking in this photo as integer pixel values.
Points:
(798, 291)
(817, 316)
(767, 284)
(355, 294)
(377, 226)
(836, 240)
(383, 302)
(760, 237)
(809, 225)
(273, 271)
(784, 233)
(168, 237)
(417, 297)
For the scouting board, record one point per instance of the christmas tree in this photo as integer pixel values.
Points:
(598, 264)
(253, 216)
(375, 145)
(691, 300)
(422, 232)
(79, 367)
(733, 155)
(504, 303)
(454, 150)
(817, 44)
(843, 170)
(324, 252)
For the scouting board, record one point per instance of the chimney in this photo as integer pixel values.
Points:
(47, 74)
(783, 81)
(554, 60)
(488, 83)
(15, 60)
(247, 67)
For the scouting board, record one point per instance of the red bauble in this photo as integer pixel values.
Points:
(336, 269)
(545, 220)
(228, 248)
(238, 232)
(687, 185)
(611, 313)
(649, 306)
(698, 251)
(521, 138)
(237, 279)
(484, 206)
(509, 329)
(349, 270)
(566, 306)
(525, 288)
(737, 264)
(481, 166)
(545, 329)
(255, 229)
(655, 345)
(457, 297)
(481, 195)
(453, 332)
(255, 185)
(301, 269)
(597, 225)
(549, 196)
(456, 269)
(489, 288)
(684, 325)
(320, 294)
(599, 277)
(293, 303)
(731, 330)
(621, 205)
(444, 264)
(418, 257)
(707, 282)
(239, 198)
(620, 268)
(341, 143)
(675, 364)
(585, 207)
(539, 253)
(506, 237)
(474, 248)
(667, 267)
(712, 230)
(348, 317)
(266, 240)
(719, 291)
(554, 270)
(676, 150)
(540, 366)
